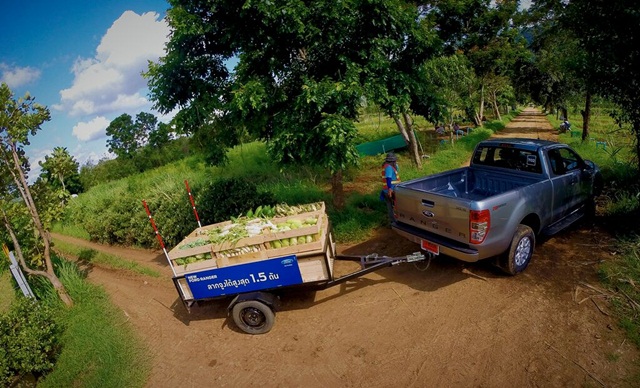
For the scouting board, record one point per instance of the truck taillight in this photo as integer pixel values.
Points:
(479, 222)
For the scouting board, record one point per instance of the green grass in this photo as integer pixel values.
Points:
(622, 276)
(619, 207)
(71, 230)
(99, 346)
(7, 293)
(103, 259)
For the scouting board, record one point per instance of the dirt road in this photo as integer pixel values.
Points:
(453, 325)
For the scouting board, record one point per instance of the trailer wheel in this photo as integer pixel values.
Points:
(253, 317)
(517, 258)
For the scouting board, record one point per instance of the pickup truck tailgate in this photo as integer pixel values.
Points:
(440, 214)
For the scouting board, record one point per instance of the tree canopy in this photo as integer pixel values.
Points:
(60, 169)
(304, 70)
(128, 136)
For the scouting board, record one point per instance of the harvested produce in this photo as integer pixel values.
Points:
(193, 259)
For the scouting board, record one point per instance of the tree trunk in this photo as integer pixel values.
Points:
(406, 130)
(586, 116)
(477, 119)
(496, 110)
(481, 110)
(57, 285)
(62, 181)
(636, 130)
(413, 141)
(337, 190)
(565, 114)
(23, 187)
(402, 129)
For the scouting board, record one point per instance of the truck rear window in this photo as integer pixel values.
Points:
(508, 157)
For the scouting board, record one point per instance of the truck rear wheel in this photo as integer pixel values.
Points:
(253, 317)
(517, 258)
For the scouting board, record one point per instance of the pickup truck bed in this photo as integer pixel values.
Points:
(472, 183)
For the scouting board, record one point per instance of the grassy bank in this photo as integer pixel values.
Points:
(622, 278)
(99, 346)
(90, 344)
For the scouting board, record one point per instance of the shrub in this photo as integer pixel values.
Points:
(228, 198)
(29, 340)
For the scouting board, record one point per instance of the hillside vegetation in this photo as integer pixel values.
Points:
(113, 213)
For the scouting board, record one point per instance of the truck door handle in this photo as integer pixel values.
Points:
(427, 203)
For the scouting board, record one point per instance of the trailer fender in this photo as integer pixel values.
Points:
(267, 298)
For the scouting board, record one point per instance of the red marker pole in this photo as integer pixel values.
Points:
(158, 236)
(193, 204)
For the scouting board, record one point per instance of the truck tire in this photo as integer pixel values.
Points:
(253, 317)
(518, 256)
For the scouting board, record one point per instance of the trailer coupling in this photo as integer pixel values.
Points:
(368, 260)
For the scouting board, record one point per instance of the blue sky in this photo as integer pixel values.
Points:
(81, 59)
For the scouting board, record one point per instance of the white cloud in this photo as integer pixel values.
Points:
(92, 130)
(111, 82)
(92, 157)
(18, 76)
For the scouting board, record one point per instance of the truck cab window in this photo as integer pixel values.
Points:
(563, 160)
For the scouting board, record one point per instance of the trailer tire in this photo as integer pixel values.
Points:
(253, 317)
(517, 257)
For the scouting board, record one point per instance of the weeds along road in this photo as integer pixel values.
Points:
(454, 324)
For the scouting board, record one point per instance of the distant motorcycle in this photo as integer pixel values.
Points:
(565, 126)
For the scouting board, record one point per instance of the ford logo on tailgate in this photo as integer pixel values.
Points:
(428, 214)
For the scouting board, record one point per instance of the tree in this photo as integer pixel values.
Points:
(481, 30)
(608, 31)
(145, 125)
(454, 87)
(160, 136)
(60, 167)
(123, 141)
(566, 70)
(19, 119)
(128, 136)
(400, 43)
(304, 69)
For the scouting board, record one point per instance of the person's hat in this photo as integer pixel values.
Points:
(391, 157)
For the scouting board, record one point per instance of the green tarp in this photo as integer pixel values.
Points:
(381, 146)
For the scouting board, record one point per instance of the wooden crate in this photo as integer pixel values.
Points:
(227, 260)
(177, 253)
(303, 231)
(203, 231)
(184, 289)
(316, 268)
(315, 246)
(181, 269)
(261, 244)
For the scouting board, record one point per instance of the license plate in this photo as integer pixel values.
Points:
(430, 247)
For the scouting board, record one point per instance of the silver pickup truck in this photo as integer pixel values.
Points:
(513, 191)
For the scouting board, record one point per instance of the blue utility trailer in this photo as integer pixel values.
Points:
(251, 269)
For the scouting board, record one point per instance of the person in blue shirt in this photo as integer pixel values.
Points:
(390, 178)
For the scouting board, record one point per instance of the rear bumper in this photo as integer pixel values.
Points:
(447, 246)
